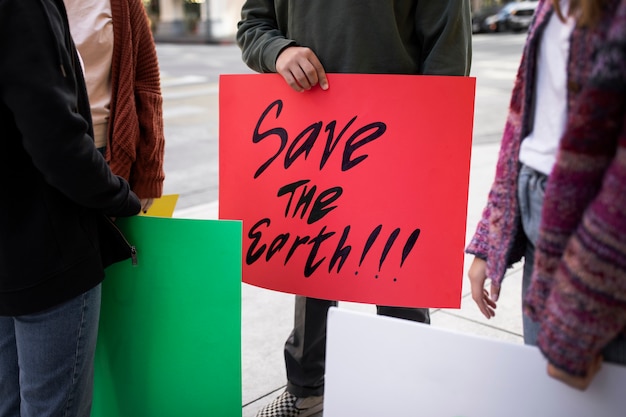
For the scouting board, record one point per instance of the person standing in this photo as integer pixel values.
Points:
(56, 188)
(538, 111)
(577, 293)
(302, 41)
(121, 70)
(565, 72)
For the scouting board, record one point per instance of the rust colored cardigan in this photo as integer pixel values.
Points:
(135, 141)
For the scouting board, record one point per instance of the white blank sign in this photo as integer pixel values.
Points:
(380, 366)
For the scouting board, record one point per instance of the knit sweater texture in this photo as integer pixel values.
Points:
(578, 289)
(499, 238)
(135, 142)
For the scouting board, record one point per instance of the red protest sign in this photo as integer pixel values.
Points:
(357, 193)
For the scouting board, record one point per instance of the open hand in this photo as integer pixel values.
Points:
(486, 301)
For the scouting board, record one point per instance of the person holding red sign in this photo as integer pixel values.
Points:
(558, 195)
(302, 41)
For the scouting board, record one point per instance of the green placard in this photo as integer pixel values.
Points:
(169, 342)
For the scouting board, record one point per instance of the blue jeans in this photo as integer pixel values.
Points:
(531, 187)
(46, 359)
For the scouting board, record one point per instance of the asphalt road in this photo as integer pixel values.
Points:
(190, 83)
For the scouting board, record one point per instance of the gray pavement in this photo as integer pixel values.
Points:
(267, 316)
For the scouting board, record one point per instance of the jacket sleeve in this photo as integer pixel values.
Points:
(497, 239)
(259, 36)
(147, 175)
(445, 30)
(39, 87)
(586, 306)
(578, 292)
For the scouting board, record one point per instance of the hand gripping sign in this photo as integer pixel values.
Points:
(357, 193)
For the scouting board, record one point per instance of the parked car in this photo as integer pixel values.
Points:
(515, 16)
(479, 17)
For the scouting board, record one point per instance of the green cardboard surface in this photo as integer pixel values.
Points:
(169, 342)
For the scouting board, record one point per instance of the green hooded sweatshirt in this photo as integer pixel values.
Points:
(361, 36)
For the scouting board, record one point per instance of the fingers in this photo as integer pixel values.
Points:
(495, 292)
(146, 203)
(482, 299)
(486, 305)
(323, 79)
(488, 300)
(301, 69)
(596, 365)
(580, 383)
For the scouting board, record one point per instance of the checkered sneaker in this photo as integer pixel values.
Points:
(288, 405)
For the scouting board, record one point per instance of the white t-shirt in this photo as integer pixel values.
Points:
(91, 25)
(539, 148)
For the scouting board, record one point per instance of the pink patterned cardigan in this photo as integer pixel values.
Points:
(578, 290)
(595, 90)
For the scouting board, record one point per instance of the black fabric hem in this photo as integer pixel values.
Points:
(56, 290)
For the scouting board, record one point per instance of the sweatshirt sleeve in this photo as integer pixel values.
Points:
(445, 30)
(259, 37)
(39, 87)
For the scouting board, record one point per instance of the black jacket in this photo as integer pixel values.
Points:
(55, 185)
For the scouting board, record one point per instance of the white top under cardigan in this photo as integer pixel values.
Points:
(91, 25)
(538, 149)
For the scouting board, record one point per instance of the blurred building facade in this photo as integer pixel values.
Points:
(212, 20)
(206, 21)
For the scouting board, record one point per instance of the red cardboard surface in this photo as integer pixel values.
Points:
(357, 193)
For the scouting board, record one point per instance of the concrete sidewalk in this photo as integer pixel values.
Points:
(267, 316)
